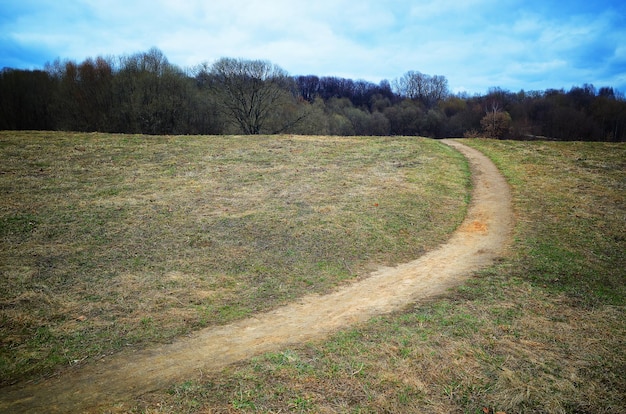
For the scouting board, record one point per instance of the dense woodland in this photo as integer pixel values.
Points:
(144, 93)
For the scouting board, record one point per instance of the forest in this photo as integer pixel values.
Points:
(144, 93)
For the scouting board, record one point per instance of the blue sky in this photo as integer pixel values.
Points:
(475, 44)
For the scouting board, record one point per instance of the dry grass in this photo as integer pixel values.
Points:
(110, 241)
(542, 331)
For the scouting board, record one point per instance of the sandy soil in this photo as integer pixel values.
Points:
(111, 383)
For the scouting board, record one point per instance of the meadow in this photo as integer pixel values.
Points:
(542, 331)
(118, 241)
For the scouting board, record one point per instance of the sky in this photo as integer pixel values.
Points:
(476, 44)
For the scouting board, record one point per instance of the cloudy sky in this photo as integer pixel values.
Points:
(475, 44)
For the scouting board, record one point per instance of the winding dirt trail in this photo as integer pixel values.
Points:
(481, 238)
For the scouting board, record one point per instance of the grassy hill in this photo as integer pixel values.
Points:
(111, 241)
(542, 331)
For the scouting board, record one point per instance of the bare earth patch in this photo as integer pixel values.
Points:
(110, 383)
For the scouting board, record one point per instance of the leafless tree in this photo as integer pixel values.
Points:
(250, 91)
(424, 88)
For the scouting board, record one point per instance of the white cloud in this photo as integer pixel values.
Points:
(475, 43)
(442, 9)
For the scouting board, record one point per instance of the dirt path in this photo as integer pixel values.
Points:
(481, 238)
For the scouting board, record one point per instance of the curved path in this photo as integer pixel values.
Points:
(112, 382)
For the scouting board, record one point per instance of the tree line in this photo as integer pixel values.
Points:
(145, 93)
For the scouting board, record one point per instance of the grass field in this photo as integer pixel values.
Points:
(111, 241)
(542, 331)
(114, 241)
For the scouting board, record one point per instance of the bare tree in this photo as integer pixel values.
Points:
(250, 91)
(423, 88)
(496, 123)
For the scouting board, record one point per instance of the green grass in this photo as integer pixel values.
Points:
(110, 241)
(579, 199)
(541, 331)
